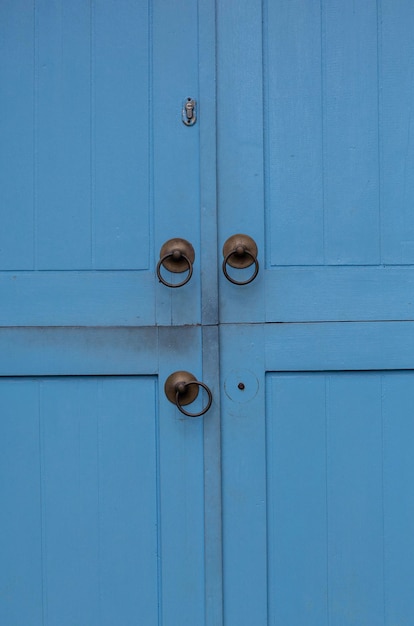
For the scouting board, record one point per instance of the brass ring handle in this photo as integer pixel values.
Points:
(181, 388)
(240, 251)
(240, 282)
(176, 255)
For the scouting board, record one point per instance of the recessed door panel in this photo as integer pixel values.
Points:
(337, 458)
(83, 502)
(330, 567)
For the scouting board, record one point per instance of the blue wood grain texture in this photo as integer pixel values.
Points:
(62, 114)
(175, 151)
(16, 131)
(338, 346)
(119, 83)
(113, 478)
(91, 129)
(93, 446)
(296, 499)
(321, 121)
(331, 568)
(208, 162)
(116, 511)
(331, 451)
(98, 169)
(99, 493)
(21, 526)
(397, 411)
(395, 24)
(350, 132)
(181, 486)
(77, 298)
(355, 498)
(293, 133)
(307, 294)
(322, 133)
(240, 176)
(292, 347)
(243, 426)
(212, 482)
(38, 351)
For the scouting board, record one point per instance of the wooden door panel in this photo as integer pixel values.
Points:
(314, 164)
(317, 456)
(85, 501)
(97, 172)
(97, 168)
(334, 449)
(88, 206)
(104, 482)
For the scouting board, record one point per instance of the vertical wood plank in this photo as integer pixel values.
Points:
(296, 496)
(20, 495)
(128, 502)
(176, 147)
(208, 164)
(350, 106)
(240, 177)
(17, 67)
(212, 483)
(181, 477)
(70, 488)
(398, 411)
(62, 230)
(99, 481)
(396, 24)
(244, 475)
(355, 499)
(293, 133)
(120, 134)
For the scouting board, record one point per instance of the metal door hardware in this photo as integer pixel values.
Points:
(176, 255)
(189, 114)
(181, 388)
(240, 251)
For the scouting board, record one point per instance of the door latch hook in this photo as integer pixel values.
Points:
(189, 115)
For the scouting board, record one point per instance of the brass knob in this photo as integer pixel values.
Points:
(181, 388)
(240, 251)
(176, 255)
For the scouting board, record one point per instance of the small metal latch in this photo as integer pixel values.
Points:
(189, 112)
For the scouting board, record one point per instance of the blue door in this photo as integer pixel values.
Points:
(103, 481)
(288, 503)
(315, 164)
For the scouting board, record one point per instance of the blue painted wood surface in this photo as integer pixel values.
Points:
(314, 166)
(317, 502)
(315, 163)
(82, 466)
(104, 483)
(116, 509)
(97, 169)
